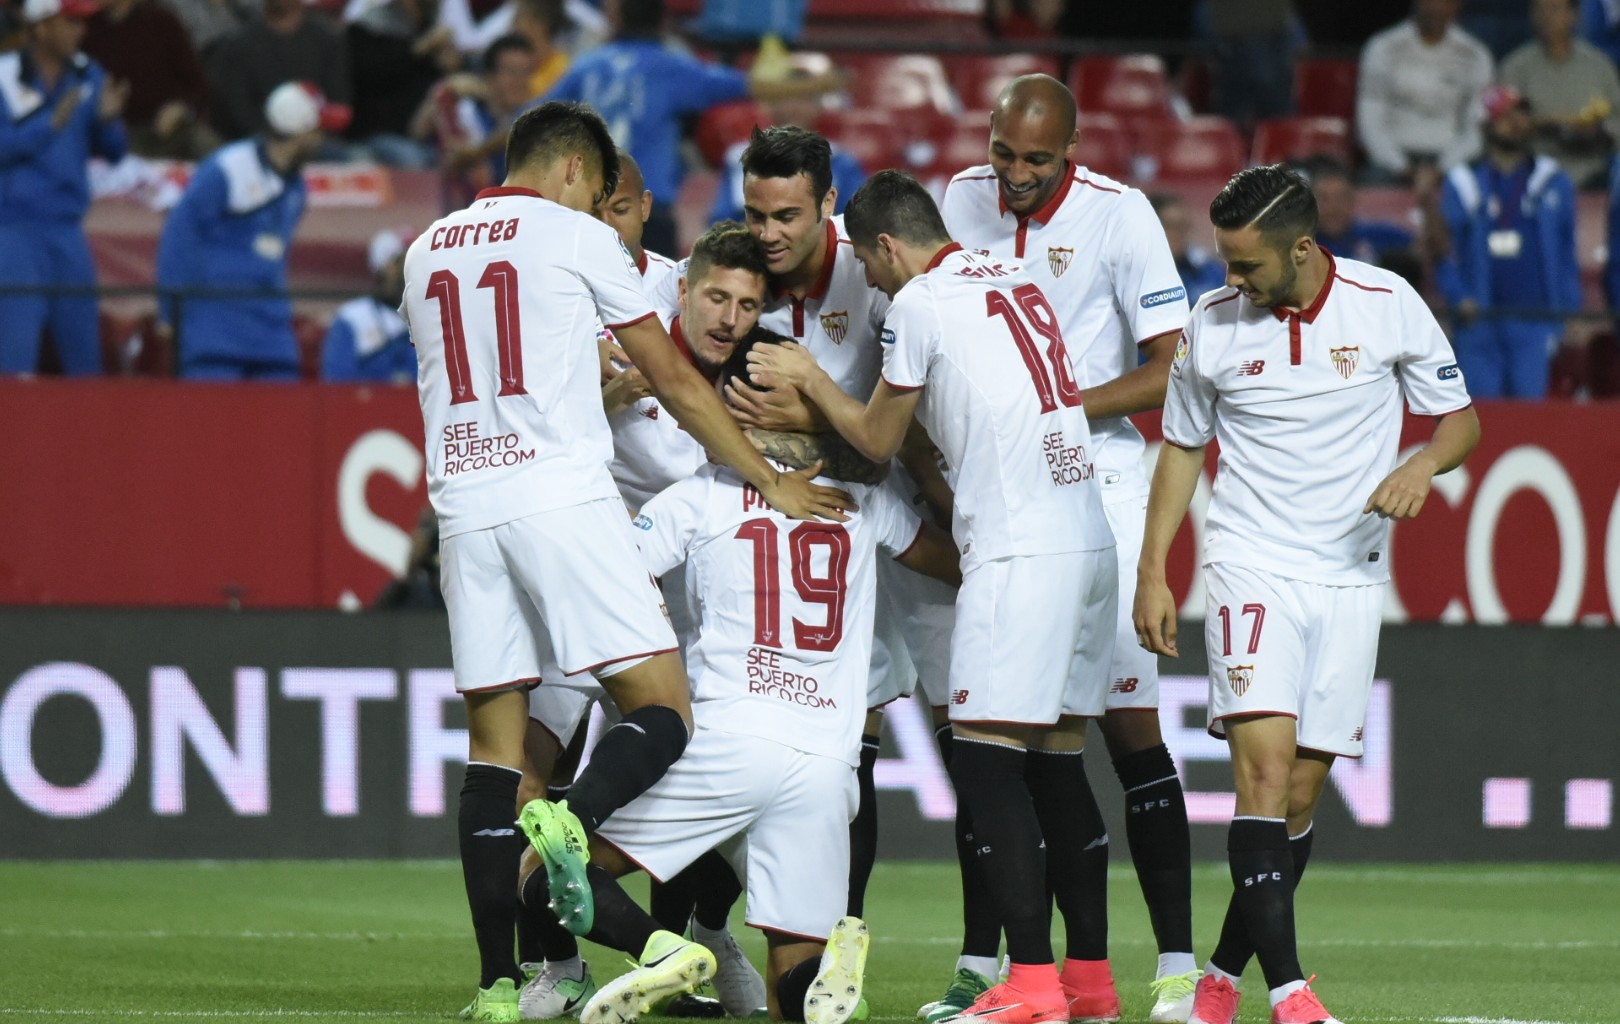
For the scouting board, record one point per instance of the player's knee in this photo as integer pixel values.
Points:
(666, 729)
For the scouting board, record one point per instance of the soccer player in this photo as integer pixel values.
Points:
(538, 557)
(820, 297)
(973, 345)
(1298, 368)
(1101, 259)
(779, 672)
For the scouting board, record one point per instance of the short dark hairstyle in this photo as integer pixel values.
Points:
(729, 245)
(893, 203)
(563, 128)
(787, 151)
(509, 43)
(1275, 199)
(737, 363)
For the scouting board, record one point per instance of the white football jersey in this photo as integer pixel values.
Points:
(1307, 409)
(784, 608)
(1100, 256)
(651, 450)
(1001, 403)
(838, 320)
(504, 300)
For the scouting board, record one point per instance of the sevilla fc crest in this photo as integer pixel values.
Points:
(1057, 259)
(1239, 677)
(1345, 359)
(836, 325)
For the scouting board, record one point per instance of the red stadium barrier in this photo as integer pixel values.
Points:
(161, 493)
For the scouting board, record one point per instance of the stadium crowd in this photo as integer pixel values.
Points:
(1477, 123)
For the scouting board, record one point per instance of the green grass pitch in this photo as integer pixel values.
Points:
(343, 941)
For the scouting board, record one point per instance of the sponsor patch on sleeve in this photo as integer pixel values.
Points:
(887, 337)
(1159, 298)
(1448, 372)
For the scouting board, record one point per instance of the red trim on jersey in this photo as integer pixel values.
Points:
(641, 263)
(1156, 337)
(627, 657)
(1335, 753)
(678, 336)
(502, 686)
(900, 387)
(1186, 447)
(1294, 340)
(1235, 295)
(1460, 408)
(632, 323)
(626, 854)
(1005, 721)
(913, 543)
(792, 935)
(497, 191)
(1248, 714)
(939, 257)
(1310, 313)
(1365, 288)
(1100, 188)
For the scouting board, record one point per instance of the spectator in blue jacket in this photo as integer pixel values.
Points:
(57, 109)
(1611, 269)
(369, 341)
(230, 236)
(643, 89)
(1511, 218)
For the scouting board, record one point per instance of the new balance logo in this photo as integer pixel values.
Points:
(1124, 685)
(1252, 368)
(959, 696)
(496, 833)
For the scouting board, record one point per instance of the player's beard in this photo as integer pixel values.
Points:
(1284, 289)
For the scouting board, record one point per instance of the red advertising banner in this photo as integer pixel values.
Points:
(159, 493)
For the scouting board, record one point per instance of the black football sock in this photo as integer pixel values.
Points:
(540, 935)
(990, 780)
(981, 927)
(491, 846)
(1161, 847)
(620, 923)
(1263, 893)
(794, 985)
(1234, 949)
(863, 830)
(671, 902)
(628, 759)
(717, 892)
(1076, 849)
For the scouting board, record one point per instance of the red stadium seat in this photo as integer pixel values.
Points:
(1200, 148)
(1325, 87)
(962, 142)
(132, 347)
(721, 126)
(979, 77)
(881, 139)
(1105, 146)
(1299, 138)
(1134, 86)
(898, 81)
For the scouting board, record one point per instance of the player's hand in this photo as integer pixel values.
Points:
(1154, 616)
(623, 391)
(777, 366)
(781, 408)
(62, 113)
(1403, 492)
(793, 495)
(614, 359)
(114, 93)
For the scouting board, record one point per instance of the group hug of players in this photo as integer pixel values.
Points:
(711, 493)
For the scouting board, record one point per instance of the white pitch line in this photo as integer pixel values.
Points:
(40, 1011)
(1529, 945)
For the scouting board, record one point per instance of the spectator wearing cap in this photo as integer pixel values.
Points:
(222, 260)
(1418, 92)
(144, 44)
(58, 108)
(1573, 91)
(368, 340)
(288, 43)
(1510, 274)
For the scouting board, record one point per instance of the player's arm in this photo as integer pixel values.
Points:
(1401, 494)
(697, 408)
(934, 554)
(1140, 389)
(921, 460)
(1174, 481)
(832, 453)
(875, 429)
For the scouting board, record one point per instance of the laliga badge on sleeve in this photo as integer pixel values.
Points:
(1505, 244)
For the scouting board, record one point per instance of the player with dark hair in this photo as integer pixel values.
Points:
(1034, 624)
(1299, 368)
(768, 780)
(1101, 258)
(538, 557)
(821, 298)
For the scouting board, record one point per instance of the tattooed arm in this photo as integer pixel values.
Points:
(839, 460)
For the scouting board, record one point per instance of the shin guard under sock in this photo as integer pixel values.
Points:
(1076, 849)
(863, 830)
(1160, 843)
(628, 759)
(491, 846)
(990, 781)
(1263, 893)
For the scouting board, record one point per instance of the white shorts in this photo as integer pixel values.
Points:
(1287, 647)
(1134, 678)
(567, 585)
(890, 674)
(1034, 638)
(779, 815)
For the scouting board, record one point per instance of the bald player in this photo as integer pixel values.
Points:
(1099, 254)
